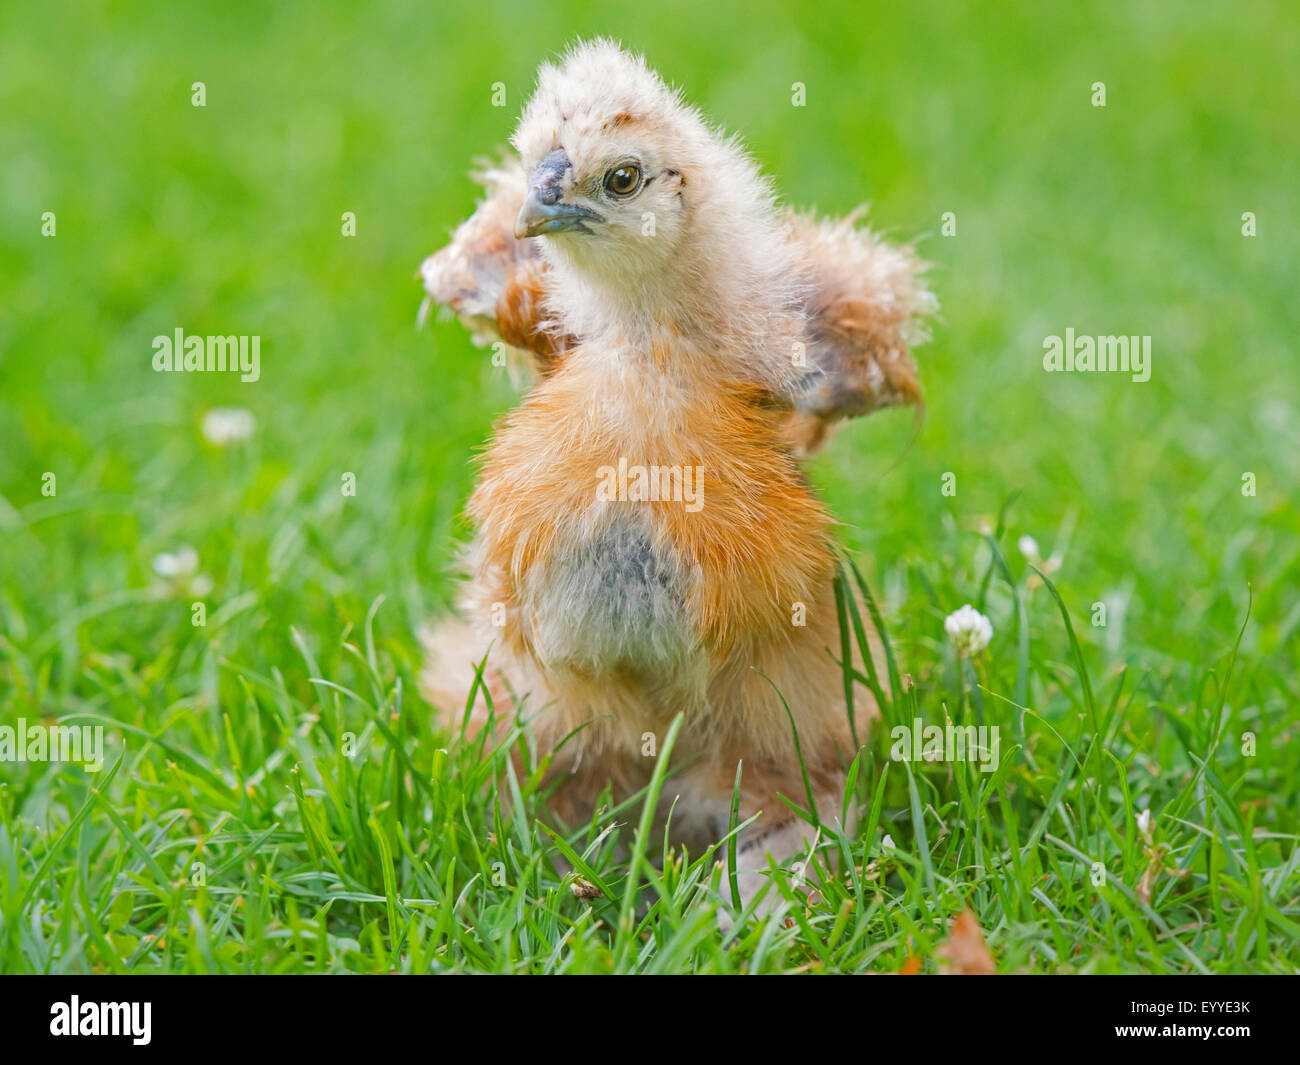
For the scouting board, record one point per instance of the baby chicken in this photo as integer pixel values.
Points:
(646, 542)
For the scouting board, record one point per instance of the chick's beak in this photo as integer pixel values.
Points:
(544, 209)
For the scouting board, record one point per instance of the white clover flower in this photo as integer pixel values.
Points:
(223, 426)
(1029, 548)
(179, 571)
(969, 630)
(182, 562)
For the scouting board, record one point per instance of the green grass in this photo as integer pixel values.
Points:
(276, 796)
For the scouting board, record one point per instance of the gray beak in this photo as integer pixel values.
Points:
(544, 210)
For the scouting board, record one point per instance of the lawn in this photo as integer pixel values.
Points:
(276, 797)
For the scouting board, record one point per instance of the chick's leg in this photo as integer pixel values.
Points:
(789, 843)
(795, 664)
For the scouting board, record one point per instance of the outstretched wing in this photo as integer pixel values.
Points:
(493, 282)
(865, 308)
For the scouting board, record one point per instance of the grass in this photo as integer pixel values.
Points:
(276, 797)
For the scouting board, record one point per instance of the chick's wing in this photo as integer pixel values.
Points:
(866, 309)
(493, 282)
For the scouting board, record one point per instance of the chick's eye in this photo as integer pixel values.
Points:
(623, 180)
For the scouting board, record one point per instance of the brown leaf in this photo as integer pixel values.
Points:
(965, 953)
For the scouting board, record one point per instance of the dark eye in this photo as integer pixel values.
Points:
(623, 180)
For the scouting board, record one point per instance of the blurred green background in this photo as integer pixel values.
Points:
(225, 219)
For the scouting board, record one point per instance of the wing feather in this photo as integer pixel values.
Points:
(494, 283)
(866, 308)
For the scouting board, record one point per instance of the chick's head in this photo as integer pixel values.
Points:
(646, 213)
(607, 146)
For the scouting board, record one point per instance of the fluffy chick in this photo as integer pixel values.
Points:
(668, 299)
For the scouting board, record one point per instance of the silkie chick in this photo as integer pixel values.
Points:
(646, 541)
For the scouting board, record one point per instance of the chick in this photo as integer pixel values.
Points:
(646, 543)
